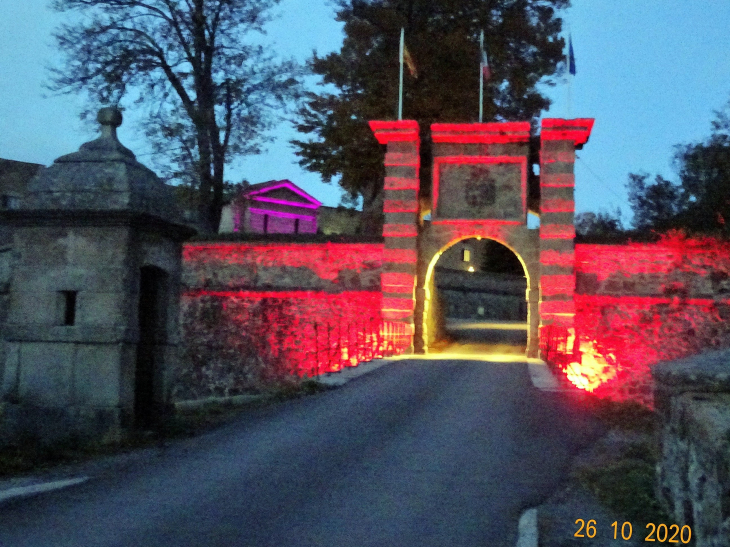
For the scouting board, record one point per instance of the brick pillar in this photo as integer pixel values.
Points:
(559, 140)
(400, 206)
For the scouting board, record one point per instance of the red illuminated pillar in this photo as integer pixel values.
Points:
(400, 206)
(559, 140)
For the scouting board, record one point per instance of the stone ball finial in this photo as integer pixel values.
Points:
(109, 115)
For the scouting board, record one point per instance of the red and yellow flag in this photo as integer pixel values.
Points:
(410, 63)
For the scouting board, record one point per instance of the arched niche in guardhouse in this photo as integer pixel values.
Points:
(92, 329)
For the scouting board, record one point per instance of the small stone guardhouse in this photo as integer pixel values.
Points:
(482, 187)
(93, 317)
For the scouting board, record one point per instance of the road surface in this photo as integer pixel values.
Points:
(416, 454)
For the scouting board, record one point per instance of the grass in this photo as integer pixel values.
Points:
(627, 416)
(624, 481)
(29, 456)
(627, 487)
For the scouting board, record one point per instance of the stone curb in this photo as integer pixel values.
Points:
(350, 373)
(234, 400)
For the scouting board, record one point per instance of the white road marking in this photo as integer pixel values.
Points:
(527, 529)
(39, 488)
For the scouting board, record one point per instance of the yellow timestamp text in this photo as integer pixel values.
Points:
(660, 533)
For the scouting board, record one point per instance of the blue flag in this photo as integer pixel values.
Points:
(571, 56)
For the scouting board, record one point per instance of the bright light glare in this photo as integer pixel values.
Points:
(496, 358)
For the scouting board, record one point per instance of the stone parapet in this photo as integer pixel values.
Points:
(692, 398)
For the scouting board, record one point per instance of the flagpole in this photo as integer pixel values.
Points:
(570, 76)
(481, 78)
(400, 87)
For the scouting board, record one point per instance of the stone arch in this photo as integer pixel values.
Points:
(483, 183)
(436, 239)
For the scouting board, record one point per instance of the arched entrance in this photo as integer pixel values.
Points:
(478, 277)
(485, 178)
(481, 289)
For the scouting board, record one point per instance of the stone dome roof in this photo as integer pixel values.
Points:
(103, 175)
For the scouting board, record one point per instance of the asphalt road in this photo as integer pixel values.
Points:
(485, 337)
(415, 454)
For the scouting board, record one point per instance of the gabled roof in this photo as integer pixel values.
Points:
(257, 192)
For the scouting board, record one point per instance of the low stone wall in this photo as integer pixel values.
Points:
(639, 304)
(280, 265)
(256, 312)
(692, 398)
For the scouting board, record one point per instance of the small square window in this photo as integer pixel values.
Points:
(68, 308)
(466, 255)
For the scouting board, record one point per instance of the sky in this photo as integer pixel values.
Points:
(651, 73)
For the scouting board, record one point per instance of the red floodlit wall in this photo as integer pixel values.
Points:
(639, 304)
(253, 312)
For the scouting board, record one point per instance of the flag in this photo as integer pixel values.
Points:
(486, 71)
(410, 63)
(571, 56)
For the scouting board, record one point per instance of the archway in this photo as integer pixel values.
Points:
(477, 298)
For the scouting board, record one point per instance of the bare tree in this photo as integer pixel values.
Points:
(209, 91)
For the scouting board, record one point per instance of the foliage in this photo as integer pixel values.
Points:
(603, 225)
(655, 205)
(627, 487)
(524, 47)
(209, 91)
(626, 416)
(700, 201)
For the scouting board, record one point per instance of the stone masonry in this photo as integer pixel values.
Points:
(692, 397)
(93, 315)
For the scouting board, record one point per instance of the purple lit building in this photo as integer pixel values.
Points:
(273, 207)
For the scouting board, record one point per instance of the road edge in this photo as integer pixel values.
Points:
(527, 529)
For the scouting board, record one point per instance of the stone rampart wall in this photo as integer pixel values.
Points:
(639, 304)
(328, 267)
(253, 312)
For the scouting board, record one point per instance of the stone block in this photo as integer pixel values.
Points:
(10, 373)
(565, 193)
(550, 147)
(72, 278)
(127, 364)
(586, 283)
(46, 374)
(401, 171)
(32, 308)
(707, 372)
(560, 245)
(557, 168)
(79, 246)
(400, 242)
(404, 147)
(556, 218)
(102, 308)
(97, 375)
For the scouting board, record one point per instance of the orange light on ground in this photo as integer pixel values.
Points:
(592, 371)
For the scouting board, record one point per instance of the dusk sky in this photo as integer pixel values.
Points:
(651, 73)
